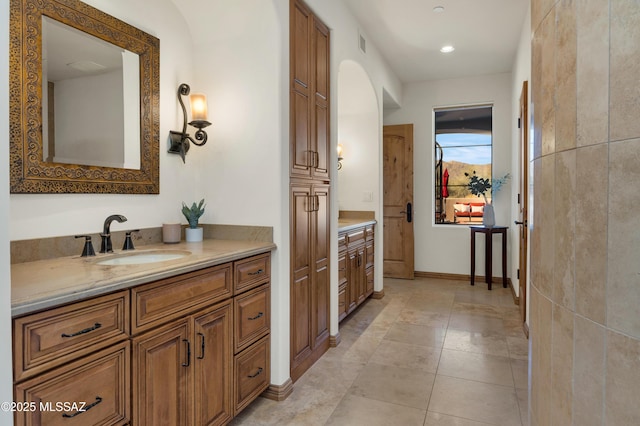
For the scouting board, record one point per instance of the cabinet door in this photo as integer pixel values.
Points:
(320, 143)
(301, 205)
(213, 365)
(321, 279)
(301, 153)
(353, 273)
(162, 378)
(369, 281)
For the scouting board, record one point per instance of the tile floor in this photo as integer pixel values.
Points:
(431, 352)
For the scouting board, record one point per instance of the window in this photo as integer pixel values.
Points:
(462, 144)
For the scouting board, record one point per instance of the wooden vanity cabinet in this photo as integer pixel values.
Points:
(192, 349)
(355, 280)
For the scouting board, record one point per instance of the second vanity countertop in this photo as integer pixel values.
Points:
(47, 283)
(347, 224)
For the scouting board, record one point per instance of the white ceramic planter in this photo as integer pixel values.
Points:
(193, 235)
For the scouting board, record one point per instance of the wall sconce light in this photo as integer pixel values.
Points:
(340, 158)
(180, 140)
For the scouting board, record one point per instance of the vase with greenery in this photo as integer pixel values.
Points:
(193, 233)
(480, 186)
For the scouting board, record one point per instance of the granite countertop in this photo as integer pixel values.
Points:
(47, 283)
(346, 224)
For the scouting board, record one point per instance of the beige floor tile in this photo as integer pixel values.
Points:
(520, 369)
(405, 355)
(518, 347)
(437, 419)
(417, 334)
(490, 311)
(424, 317)
(490, 343)
(472, 400)
(402, 386)
(355, 410)
(476, 366)
(481, 323)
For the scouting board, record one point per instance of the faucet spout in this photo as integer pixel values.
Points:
(106, 246)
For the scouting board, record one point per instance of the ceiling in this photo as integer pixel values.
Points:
(409, 35)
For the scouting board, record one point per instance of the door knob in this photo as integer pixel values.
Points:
(517, 222)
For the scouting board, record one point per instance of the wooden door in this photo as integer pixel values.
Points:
(398, 201)
(301, 205)
(213, 365)
(523, 200)
(162, 376)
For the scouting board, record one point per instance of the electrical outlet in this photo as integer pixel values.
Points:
(367, 196)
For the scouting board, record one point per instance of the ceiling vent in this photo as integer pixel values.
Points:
(362, 43)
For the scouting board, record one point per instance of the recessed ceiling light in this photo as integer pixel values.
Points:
(438, 9)
(447, 49)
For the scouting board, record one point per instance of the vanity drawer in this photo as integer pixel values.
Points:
(252, 272)
(355, 236)
(165, 300)
(252, 373)
(98, 385)
(342, 241)
(252, 316)
(51, 338)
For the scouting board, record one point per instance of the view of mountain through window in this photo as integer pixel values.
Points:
(463, 139)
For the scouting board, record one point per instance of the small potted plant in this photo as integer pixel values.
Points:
(193, 233)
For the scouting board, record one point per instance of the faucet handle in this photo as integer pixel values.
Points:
(88, 247)
(128, 242)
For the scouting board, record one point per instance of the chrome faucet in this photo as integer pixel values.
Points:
(106, 247)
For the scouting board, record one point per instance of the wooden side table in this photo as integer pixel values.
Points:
(488, 252)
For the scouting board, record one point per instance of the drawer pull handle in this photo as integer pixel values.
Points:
(201, 346)
(86, 330)
(85, 409)
(257, 374)
(258, 272)
(260, 314)
(188, 363)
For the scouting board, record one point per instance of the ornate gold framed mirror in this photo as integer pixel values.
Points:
(84, 101)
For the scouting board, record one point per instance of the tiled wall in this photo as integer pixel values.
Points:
(585, 241)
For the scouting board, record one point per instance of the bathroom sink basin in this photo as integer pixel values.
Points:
(149, 256)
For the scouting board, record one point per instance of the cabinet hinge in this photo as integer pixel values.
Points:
(518, 122)
(518, 273)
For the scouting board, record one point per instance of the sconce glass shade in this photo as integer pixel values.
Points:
(198, 107)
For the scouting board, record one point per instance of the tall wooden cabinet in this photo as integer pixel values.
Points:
(309, 187)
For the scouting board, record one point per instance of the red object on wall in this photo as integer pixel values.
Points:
(445, 182)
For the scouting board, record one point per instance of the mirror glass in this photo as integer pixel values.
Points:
(84, 101)
(90, 99)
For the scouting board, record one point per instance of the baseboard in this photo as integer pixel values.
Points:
(279, 392)
(378, 294)
(334, 341)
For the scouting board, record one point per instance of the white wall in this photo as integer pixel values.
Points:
(445, 248)
(359, 133)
